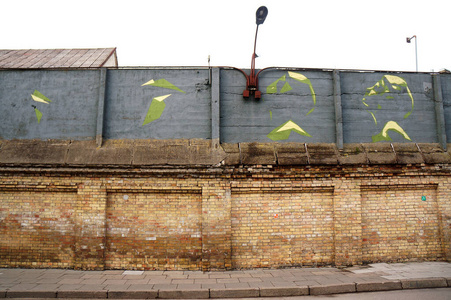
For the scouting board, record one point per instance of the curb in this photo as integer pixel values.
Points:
(422, 283)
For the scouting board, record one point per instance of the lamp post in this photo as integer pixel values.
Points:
(416, 55)
(252, 79)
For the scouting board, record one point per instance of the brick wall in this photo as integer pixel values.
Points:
(223, 217)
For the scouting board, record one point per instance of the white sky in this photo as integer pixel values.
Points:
(341, 34)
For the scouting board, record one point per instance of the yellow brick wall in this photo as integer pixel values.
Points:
(278, 229)
(37, 229)
(153, 231)
(223, 218)
(400, 223)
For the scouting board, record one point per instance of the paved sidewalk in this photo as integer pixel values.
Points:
(57, 283)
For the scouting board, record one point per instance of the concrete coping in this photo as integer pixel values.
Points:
(198, 152)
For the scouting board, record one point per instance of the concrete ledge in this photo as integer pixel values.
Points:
(30, 294)
(378, 286)
(449, 281)
(379, 154)
(132, 294)
(423, 283)
(184, 294)
(200, 152)
(83, 294)
(332, 289)
(284, 292)
(352, 154)
(322, 154)
(2, 294)
(234, 293)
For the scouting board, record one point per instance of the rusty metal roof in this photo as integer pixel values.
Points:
(58, 58)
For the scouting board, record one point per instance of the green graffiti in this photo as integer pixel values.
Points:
(38, 115)
(286, 88)
(39, 97)
(283, 131)
(157, 105)
(393, 126)
(381, 87)
(301, 78)
(385, 86)
(156, 109)
(163, 83)
(272, 88)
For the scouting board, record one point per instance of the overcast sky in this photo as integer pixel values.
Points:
(332, 34)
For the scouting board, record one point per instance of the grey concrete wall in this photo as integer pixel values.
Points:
(359, 125)
(186, 114)
(307, 106)
(446, 93)
(252, 120)
(72, 113)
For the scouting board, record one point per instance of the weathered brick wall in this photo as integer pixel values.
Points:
(400, 222)
(281, 227)
(153, 230)
(37, 228)
(223, 217)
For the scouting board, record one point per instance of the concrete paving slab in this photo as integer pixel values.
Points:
(182, 281)
(140, 287)
(226, 280)
(69, 287)
(189, 286)
(93, 281)
(210, 281)
(249, 279)
(46, 287)
(281, 284)
(138, 281)
(219, 275)
(23, 287)
(241, 285)
(71, 281)
(214, 286)
(116, 287)
(115, 281)
(261, 284)
(164, 287)
(92, 287)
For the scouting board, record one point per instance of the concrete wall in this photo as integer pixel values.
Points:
(307, 106)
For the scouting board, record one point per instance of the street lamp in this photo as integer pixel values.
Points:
(416, 55)
(252, 80)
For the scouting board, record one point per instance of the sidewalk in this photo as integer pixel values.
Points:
(57, 283)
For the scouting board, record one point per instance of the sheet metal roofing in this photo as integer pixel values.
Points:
(58, 58)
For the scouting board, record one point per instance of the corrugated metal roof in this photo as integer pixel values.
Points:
(58, 58)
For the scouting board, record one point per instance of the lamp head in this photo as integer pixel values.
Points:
(261, 14)
(408, 40)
